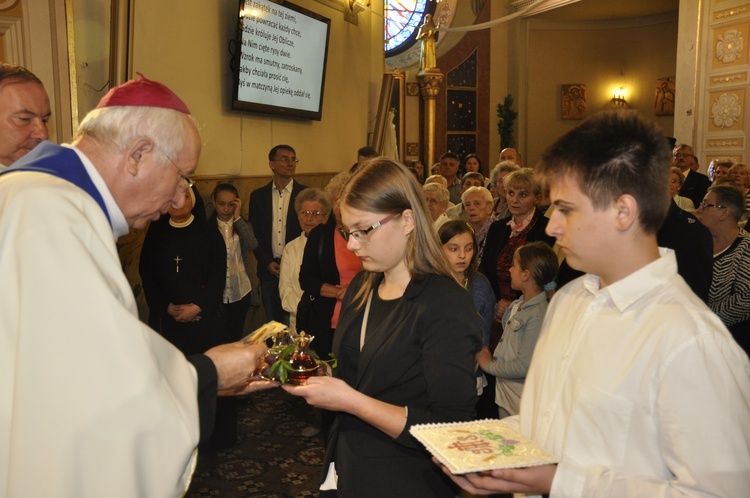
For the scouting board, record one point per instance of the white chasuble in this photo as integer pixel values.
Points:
(93, 403)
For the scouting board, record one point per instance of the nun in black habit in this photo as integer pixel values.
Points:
(183, 269)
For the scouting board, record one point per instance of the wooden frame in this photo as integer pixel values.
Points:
(392, 95)
(398, 97)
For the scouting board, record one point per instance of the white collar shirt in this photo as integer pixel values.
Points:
(236, 284)
(119, 223)
(281, 198)
(639, 390)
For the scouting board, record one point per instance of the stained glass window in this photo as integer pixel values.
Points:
(402, 21)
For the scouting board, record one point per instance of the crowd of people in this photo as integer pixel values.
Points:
(605, 316)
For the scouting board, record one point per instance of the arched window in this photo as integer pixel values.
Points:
(402, 21)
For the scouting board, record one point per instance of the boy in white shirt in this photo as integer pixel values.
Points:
(635, 386)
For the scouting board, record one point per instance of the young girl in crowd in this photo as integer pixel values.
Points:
(533, 273)
(406, 343)
(239, 239)
(460, 248)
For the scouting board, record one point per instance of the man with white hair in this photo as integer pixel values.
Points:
(471, 179)
(94, 403)
(696, 184)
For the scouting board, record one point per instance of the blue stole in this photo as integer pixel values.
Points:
(61, 162)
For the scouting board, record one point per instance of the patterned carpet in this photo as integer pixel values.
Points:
(271, 458)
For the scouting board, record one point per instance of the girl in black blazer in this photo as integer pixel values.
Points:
(405, 342)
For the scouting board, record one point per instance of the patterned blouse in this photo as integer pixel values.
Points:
(505, 258)
(729, 296)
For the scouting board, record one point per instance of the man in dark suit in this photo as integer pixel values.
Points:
(696, 184)
(275, 223)
(693, 248)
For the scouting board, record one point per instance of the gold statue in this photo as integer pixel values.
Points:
(427, 34)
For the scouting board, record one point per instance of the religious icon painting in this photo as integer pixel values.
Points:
(664, 103)
(573, 98)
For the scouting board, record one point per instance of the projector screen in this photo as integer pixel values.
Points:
(280, 62)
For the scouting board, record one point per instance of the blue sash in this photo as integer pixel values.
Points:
(61, 162)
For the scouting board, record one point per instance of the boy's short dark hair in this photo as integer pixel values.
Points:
(611, 154)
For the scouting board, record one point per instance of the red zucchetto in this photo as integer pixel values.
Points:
(143, 92)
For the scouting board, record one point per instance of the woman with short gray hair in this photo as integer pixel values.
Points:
(729, 295)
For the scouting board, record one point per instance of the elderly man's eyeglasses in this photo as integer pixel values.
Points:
(305, 213)
(682, 154)
(186, 181)
(287, 160)
(361, 235)
(704, 205)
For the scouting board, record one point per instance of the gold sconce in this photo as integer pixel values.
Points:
(355, 7)
(618, 98)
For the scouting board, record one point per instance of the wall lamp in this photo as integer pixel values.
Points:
(618, 99)
(358, 6)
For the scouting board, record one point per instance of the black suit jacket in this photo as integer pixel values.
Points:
(693, 247)
(695, 187)
(261, 219)
(420, 355)
(498, 235)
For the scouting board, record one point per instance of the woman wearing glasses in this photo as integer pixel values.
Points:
(327, 268)
(729, 296)
(313, 207)
(405, 343)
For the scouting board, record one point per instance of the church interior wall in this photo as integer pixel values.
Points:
(603, 56)
(715, 112)
(7, 15)
(184, 45)
(531, 58)
(501, 84)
